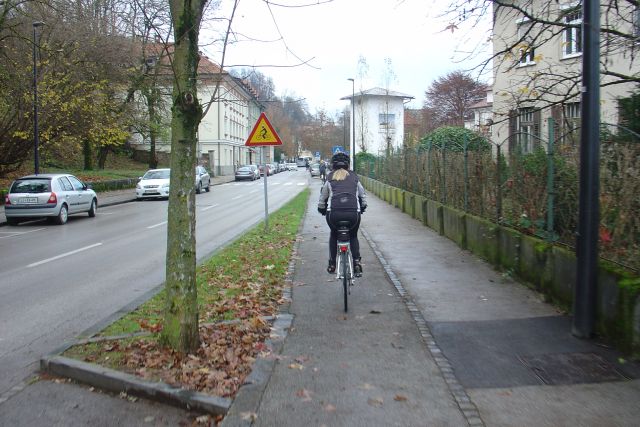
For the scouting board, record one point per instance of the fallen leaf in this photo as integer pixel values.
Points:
(248, 416)
(366, 386)
(375, 401)
(329, 407)
(400, 398)
(149, 419)
(296, 366)
(375, 312)
(302, 359)
(304, 394)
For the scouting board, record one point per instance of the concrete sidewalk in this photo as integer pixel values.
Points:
(434, 336)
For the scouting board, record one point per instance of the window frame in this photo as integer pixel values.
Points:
(572, 42)
(526, 56)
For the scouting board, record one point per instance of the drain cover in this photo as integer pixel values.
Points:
(571, 368)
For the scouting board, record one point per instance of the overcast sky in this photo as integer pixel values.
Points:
(332, 35)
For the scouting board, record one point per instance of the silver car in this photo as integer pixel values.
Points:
(203, 180)
(154, 183)
(53, 196)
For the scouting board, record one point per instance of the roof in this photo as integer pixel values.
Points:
(481, 104)
(378, 91)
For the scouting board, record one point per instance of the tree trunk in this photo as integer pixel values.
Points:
(87, 154)
(154, 123)
(180, 329)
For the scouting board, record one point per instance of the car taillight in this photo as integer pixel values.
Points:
(53, 199)
(6, 200)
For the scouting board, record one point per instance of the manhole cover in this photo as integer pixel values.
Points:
(571, 368)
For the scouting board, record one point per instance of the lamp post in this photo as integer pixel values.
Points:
(353, 122)
(35, 98)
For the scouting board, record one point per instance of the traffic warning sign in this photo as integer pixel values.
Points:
(263, 133)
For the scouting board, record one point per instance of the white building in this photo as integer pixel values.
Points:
(231, 110)
(538, 69)
(482, 118)
(379, 120)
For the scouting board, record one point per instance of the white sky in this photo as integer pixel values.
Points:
(332, 35)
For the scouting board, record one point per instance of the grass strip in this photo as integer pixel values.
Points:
(242, 282)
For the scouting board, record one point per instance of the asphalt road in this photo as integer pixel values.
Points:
(57, 281)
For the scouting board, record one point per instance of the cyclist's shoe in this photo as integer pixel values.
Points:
(357, 268)
(331, 268)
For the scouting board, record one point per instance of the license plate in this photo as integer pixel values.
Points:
(150, 191)
(28, 200)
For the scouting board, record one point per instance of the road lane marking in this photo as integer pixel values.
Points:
(44, 261)
(237, 197)
(302, 183)
(157, 225)
(209, 207)
(288, 183)
(17, 233)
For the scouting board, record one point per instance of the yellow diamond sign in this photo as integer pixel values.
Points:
(263, 133)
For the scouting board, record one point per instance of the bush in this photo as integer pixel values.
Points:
(453, 138)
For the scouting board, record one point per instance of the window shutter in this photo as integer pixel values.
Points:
(513, 115)
(536, 128)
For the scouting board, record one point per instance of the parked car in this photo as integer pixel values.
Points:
(153, 184)
(292, 166)
(269, 169)
(52, 196)
(256, 170)
(314, 169)
(245, 172)
(203, 180)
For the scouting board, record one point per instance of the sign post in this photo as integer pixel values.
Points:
(263, 134)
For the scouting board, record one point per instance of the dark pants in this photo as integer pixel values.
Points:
(333, 218)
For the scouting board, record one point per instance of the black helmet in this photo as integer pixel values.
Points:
(340, 160)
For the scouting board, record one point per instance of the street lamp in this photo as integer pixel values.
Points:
(35, 97)
(353, 121)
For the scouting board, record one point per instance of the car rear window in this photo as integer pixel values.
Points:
(34, 185)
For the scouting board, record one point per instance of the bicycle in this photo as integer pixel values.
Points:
(344, 261)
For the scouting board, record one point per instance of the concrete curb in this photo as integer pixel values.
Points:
(116, 381)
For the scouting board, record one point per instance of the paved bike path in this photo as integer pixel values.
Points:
(366, 367)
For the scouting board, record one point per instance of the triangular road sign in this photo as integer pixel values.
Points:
(263, 133)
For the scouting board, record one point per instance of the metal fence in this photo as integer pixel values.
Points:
(535, 192)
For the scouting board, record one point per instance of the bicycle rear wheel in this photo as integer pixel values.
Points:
(345, 279)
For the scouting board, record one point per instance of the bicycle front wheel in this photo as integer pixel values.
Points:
(345, 279)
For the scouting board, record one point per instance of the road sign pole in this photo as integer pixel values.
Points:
(266, 200)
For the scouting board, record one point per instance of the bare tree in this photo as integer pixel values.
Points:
(450, 97)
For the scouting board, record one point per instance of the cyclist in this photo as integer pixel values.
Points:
(343, 198)
(323, 171)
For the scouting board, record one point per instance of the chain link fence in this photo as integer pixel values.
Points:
(535, 192)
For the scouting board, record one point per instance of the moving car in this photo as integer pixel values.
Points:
(292, 166)
(154, 183)
(52, 196)
(203, 180)
(245, 172)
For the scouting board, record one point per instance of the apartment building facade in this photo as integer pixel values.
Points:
(537, 68)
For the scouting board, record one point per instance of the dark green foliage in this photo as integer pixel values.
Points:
(453, 138)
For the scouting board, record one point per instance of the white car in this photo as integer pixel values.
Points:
(52, 196)
(153, 184)
(292, 166)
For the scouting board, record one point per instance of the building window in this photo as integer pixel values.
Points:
(526, 50)
(386, 119)
(527, 129)
(572, 36)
